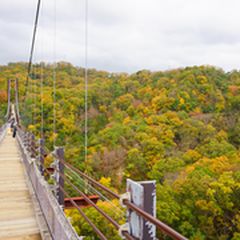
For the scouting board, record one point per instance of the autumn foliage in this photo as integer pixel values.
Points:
(180, 127)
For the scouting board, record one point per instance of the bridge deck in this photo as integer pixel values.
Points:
(17, 217)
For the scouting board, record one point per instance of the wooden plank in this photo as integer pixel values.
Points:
(29, 237)
(17, 217)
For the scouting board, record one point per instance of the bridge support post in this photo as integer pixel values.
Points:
(32, 146)
(41, 156)
(25, 139)
(27, 142)
(17, 101)
(143, 195)
(9, 99)
(60, 187)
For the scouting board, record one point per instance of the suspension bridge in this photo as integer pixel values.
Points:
(33, 208)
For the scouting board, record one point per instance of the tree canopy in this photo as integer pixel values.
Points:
(180, 127)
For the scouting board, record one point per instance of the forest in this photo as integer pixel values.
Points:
(180, 127)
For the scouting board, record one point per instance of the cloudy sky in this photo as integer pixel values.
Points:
(125, 35)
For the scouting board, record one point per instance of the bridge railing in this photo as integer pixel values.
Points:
(140, 221)
(3, 131)
(59, 226)
(127, 200)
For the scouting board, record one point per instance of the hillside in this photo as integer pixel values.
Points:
(180, 127)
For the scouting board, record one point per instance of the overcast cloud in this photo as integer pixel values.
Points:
(125, 35)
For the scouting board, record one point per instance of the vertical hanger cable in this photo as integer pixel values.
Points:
(86, 83)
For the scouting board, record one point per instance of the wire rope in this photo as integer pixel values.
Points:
(95, 191)
(86, 84)
(42, 83)
(54, 73)
(32, 46)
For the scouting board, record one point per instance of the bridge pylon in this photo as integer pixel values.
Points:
(13, 104)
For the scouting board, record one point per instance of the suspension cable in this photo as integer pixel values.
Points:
(54, 74)
(42, 72)
(94, 182)
(42, 108)
(31, 95)
(160, 225)
(96, 230)
(32, 47)
(94, 227)
(86, 84)
(93, 190)
(114, 210)
(89, 201)
(35, 95)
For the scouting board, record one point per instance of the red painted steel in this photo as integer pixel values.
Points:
(80, 201)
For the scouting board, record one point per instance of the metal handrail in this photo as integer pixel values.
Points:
(59, 225)
(159, 224)
(3, 129)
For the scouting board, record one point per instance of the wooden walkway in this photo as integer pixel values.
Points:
(17, 217)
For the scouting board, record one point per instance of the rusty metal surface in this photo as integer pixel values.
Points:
(80, 201)
(59, 226)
